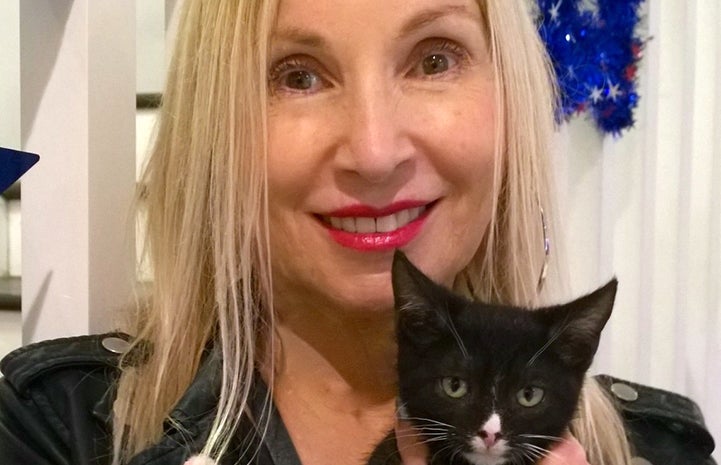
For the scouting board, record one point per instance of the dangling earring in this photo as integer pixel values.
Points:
(546, 253)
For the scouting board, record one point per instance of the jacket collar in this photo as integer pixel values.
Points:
(199, 400)
(201, 397)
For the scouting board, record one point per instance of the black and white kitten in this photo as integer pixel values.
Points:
(488, 384)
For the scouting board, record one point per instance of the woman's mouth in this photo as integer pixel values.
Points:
(369, 225)
(371, 230)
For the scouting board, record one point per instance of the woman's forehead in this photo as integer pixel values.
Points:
(401, 15)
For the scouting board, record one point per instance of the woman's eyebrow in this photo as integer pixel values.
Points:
(430, 15)
(299, 36)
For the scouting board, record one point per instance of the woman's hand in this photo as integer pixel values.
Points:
(199, 460)
(412, 451)
(567, 452)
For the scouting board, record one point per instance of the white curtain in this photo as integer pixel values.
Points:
(646, 207)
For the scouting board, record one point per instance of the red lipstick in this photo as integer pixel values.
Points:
(370, 229)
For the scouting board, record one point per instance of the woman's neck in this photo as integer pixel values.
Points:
(335, 383)
(346, 355)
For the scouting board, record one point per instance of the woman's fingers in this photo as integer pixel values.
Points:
(567, 452)
(412, 451)
(200, 460)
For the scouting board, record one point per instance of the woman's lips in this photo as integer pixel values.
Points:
(372, 230)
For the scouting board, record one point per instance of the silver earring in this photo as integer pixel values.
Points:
(546, 253)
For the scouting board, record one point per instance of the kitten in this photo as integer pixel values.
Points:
(488, 384)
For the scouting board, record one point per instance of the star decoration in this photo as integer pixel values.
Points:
(596, 95)
(554, 11)
(614, 91)
(595, 52)
(588, 6)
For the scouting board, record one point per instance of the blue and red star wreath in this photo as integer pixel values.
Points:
(595, 52)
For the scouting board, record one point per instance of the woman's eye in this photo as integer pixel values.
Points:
(300, 80)
(453, 387)
(530, 396)
(435, 57)
(436, 63)
(294, 76)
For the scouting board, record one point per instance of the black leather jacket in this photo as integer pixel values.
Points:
(56, 400)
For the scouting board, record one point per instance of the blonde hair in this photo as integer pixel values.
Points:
(205, 194)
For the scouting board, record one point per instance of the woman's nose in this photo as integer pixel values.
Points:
(375, 143)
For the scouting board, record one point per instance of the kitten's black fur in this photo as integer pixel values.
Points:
(502, 357)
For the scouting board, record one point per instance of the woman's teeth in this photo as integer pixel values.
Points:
(367, 225)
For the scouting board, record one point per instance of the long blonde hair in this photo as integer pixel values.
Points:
(205, 196)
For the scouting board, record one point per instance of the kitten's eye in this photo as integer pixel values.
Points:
(530, 396)
(454, 387)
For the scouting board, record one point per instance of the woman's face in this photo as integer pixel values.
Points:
(382, 126)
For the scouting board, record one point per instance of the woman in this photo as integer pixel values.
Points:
(272, 214)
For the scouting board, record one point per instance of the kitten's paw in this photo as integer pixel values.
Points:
(200, 460)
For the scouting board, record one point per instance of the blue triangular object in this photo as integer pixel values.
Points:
(14, 164)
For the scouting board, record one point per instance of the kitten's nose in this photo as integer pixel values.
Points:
(490, 438)
(490, 432)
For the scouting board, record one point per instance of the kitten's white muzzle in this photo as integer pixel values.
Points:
(483, 455)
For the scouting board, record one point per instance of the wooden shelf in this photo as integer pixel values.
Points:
(12, 192)
(10, 293)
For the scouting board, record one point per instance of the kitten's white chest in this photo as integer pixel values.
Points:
(488, 447)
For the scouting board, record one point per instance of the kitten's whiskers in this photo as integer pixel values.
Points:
(430, 421)
(550, 341)
(455, 454)
(541, 436)
(539, 451)
(455, 451)
(456, 336)
(531, 452)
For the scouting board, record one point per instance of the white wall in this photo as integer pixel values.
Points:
(9, 137)
(9, 115)
(152, 21)
(78, 113)
(646, 208)
(150, 56)
(10, 76)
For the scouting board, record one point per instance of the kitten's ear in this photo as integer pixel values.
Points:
(417, 297)
(577, 325)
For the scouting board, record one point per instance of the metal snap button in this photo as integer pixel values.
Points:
(115, 345)
(624, 392)
(676, 427)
